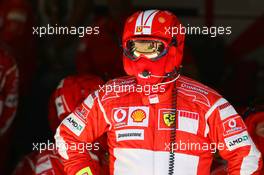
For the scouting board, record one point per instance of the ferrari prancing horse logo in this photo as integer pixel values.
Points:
(139, 29)
(169, 118)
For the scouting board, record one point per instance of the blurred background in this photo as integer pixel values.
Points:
(232, 64)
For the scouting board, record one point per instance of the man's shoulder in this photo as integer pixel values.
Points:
(197, 92)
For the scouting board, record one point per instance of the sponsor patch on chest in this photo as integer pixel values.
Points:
(129, 134)
(130, 116)
(184, 120)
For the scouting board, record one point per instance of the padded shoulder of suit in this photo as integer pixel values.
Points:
(197, 92)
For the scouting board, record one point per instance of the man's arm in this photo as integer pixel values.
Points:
(226, 127)
(8, 97)
(80, 129)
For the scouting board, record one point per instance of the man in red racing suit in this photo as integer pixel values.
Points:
(69, 93)
(8, 90)
(16, 22)
(157, 121)
(8, 103)
(45, 163)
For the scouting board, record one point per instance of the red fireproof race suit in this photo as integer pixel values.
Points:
(221, 170)
(71, 91)
(8, 103)
(45, 163)
(16, 22)
(138, 127)
(8, 90)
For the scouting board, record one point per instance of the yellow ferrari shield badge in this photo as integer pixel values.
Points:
(168, 118)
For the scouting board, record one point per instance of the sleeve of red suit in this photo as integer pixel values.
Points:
(87, 123)
(227, 129)
(8, 94)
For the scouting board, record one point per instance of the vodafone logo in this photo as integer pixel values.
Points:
(120, 115)
(232, 123)
(130, 116)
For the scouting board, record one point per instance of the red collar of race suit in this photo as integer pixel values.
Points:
(151, 94)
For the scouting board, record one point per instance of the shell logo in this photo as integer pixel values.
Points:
(138, 115)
